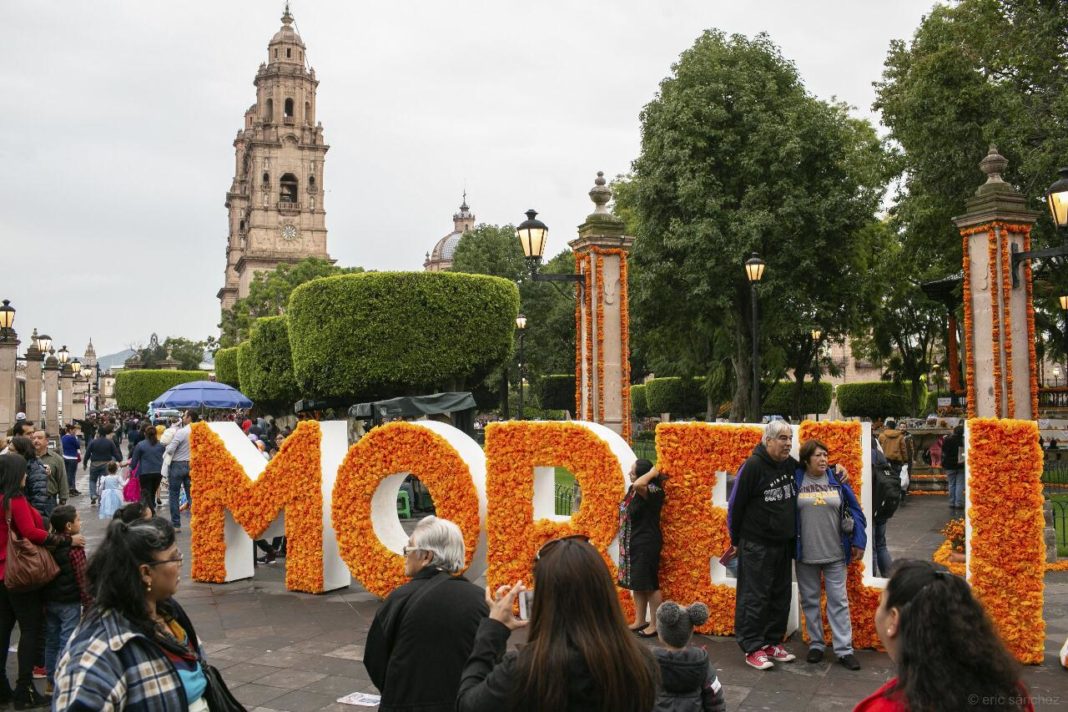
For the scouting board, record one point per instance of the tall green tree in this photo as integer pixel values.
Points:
(490, 249)
(188, 353)
(738, 158)
(268, 295)
(975, 72)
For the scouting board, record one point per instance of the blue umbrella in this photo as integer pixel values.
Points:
(202, 394)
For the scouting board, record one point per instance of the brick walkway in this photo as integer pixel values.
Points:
(294, 652)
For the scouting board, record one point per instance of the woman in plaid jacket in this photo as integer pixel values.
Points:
(136, 649)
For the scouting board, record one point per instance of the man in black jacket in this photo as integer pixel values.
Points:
(424, 631)
(761, 517)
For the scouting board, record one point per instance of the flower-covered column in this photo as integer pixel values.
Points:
(602, 352)
(999, 320)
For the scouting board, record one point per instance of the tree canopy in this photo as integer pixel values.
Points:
(738, 158)
(268, 295)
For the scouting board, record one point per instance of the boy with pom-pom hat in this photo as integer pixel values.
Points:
(687, 678)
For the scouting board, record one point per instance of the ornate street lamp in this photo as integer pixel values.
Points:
(533, 234)
(63, 355)
(754, 272)
(816, 334)
(76, 367)
(7, 317)
(1057, 198)
(521, 327)
(44, 343)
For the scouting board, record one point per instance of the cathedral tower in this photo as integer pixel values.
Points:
(275, 201)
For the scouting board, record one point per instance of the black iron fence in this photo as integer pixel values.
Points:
(567, 499)
(1060, 523)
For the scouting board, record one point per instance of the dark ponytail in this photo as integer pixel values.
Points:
(950, 654)
(114, 569)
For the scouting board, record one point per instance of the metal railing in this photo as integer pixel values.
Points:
(567, 499)
(1060, 523)
(1055, 475)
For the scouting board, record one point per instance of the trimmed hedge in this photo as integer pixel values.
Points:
(878, 399)
(226, 367)
(679, 396)
(639, 407)
(815, 398)
(266, 368)
(134, 390)
(382, 333)
(557, 392)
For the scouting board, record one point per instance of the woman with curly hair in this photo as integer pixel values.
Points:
(947, 654)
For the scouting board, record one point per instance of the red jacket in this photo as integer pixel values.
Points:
(879, 701)
(28, 524)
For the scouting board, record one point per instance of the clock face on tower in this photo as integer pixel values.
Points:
(290, 232)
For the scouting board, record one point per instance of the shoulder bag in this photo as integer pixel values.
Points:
(217, 694)
(29, 566)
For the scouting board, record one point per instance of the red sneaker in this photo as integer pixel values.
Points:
(39, 673)
(779, 654)
(759, 660)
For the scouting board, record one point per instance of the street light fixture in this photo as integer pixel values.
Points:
(754, 272)
(521, 327)
(7, 317)
(44, 343)
(816, 334)
(76, 366)
(533, 234)
(63, 355)
(1057, 198)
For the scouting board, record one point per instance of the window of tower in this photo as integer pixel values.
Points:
(289, 109)
(289, 53)
(288, 184)
(307, 112)
(311, 184)
(266, 179)
(242, 226)
(268, 110)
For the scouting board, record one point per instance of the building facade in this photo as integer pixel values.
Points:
(439, 259)
(275, 202)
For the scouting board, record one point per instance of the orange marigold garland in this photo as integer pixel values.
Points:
(624, 330)
(388, 450)
(1006, 547)
(995, 321)
(587, 412)
(969, 339)
(845, 447)
(599, 325)
(579, 341)
(1005, 287)
(291, 482)
(513, 536)
(692, 455)
(1030, 322)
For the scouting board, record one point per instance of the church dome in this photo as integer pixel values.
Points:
(287, 35)
(446, 247)
(440, 258)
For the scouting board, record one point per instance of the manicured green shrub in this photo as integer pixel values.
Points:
(266, 371)
(135, 389)
(396, 333)
(815, 398)
(679, 396)
(226, 367)
(639, 407)
(557, 391)
(878, 399)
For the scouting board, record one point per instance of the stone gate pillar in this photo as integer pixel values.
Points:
(34, 357)
(9, 347)
(602, 351)
(81, 391)
(66, 394)
(999, 321)
(51, 384)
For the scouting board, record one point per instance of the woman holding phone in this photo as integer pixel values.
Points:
(640, 543)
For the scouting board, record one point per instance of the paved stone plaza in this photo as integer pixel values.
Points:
(296, 652)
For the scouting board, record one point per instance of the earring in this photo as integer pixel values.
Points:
(148, 587)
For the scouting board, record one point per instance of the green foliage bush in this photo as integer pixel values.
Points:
(877, 399)
(639, 406)
(557, 391)
(134, 390)
(226, 367)
(396, 333)
(679, 396)
(815, 398)
(267, 373)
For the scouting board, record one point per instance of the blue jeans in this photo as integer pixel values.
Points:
(883, 562)
(177, 478)
(72, 471)
(955, 480)
(60, 621)
(95, 473)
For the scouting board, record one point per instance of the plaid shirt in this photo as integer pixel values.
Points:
(109, 666)
(77, 562)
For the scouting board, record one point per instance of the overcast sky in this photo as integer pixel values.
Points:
(117, 126)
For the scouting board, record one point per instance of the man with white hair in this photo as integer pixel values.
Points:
(761, 516)
(423, 633)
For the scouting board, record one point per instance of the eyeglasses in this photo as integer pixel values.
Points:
(409, 549)
(176, 560)
(548, 545)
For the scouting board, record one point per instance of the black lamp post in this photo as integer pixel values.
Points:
(532, 234)
(754, 272)
(521, 327)
(1057, 199)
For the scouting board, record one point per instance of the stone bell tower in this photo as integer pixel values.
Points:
(275, 201)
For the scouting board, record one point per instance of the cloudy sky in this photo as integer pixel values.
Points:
(116, 131)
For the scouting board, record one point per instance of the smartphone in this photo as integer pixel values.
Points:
(526, 604)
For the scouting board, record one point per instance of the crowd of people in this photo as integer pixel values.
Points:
(106, 632)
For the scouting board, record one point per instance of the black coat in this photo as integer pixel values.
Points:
(420, 639)
(687, 682)
(489, 677)
(763, 503)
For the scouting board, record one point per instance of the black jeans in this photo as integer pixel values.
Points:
(149, 488)
(762, 602)
(26, 609)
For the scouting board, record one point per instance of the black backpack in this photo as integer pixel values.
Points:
(887, 490)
